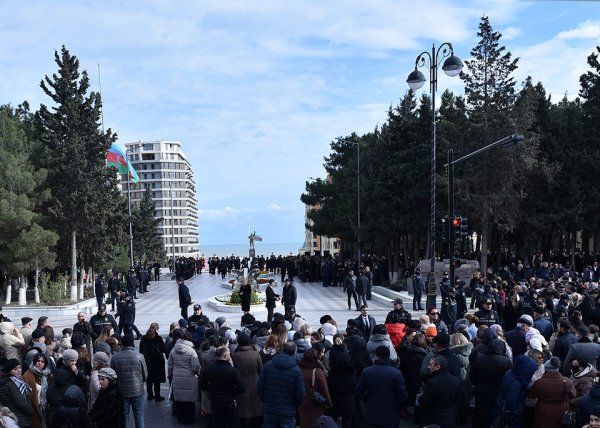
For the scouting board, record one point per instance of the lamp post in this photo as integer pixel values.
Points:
(507, 142)
(452, 67)
(357, 144)
(172, 227)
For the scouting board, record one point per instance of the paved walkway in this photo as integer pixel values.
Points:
(161, 305)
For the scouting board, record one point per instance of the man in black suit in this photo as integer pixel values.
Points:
(365, 322)
(272, 298)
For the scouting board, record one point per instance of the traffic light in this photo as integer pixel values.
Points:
(464, 228)
(444, 228)
(455, 224)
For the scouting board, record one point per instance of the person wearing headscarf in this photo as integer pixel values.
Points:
(14, 393)
(108, 411)
(37, 378)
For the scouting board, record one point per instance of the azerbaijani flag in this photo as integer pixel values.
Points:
(257, 238)
(117, 158)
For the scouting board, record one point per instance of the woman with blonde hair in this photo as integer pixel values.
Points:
(272, 346)
(306, 330)
(107, 332)
(282, 332)
(152, 347)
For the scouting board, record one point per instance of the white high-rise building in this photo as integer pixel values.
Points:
(164, 169)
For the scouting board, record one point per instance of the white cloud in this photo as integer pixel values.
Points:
(257, 90)
(511, 32)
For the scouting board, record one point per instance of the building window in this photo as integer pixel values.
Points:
(148, 146)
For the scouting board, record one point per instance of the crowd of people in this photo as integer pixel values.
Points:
(522, 353)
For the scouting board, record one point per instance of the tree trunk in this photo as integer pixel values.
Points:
(8, 292)
(73, 266)
(23, 291)
(36, 289)
(484, 241)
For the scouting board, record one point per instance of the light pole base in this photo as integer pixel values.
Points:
(431, 291)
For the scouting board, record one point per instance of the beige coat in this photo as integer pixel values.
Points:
(10, 342)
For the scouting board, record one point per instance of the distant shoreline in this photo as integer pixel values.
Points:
(262, 248)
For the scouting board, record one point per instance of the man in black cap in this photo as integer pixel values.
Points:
(487, 315)
(114, 286)
(100, 320)
(185, 299)
(26, 329)
(561, 310)
(402, 314)
(99, 289)
(418, 289)
(197, 319)
(132, 282)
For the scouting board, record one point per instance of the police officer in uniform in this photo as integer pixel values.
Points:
(448, 311)
(402, 314)
(418, 289)
(487, 315)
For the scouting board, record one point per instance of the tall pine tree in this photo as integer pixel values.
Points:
(148, 242)
(85, 198)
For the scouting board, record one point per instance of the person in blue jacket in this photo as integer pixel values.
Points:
(281, 388)
(513, 389)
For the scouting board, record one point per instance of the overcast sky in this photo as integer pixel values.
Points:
(256, 90)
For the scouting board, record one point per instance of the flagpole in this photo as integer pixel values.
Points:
(129, 207)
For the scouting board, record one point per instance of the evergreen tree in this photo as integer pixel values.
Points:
(85, 198)
(147, 241)
(492, 182)
(24, 243)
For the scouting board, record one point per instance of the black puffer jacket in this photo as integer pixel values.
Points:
(108, 408)
(73, 414)
(16, 402)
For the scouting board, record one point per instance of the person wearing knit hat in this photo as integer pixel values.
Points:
(107, 373)
(594, 421)
(102, 358)
(219, 322)
(70, 355)
(108, 409)
(431, 332)
(9, 365)
(14, 392)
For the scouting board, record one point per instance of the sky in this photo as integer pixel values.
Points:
(257, 90)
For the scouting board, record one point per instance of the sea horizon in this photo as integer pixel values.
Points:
(261, 248)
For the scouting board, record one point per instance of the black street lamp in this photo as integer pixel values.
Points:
(452, 67)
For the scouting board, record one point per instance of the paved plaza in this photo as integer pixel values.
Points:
(161, 305)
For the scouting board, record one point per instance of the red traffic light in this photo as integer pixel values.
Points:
(455, 221)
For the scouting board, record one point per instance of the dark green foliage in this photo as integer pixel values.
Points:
(85, 197)
(147, 241)
(24, 243)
